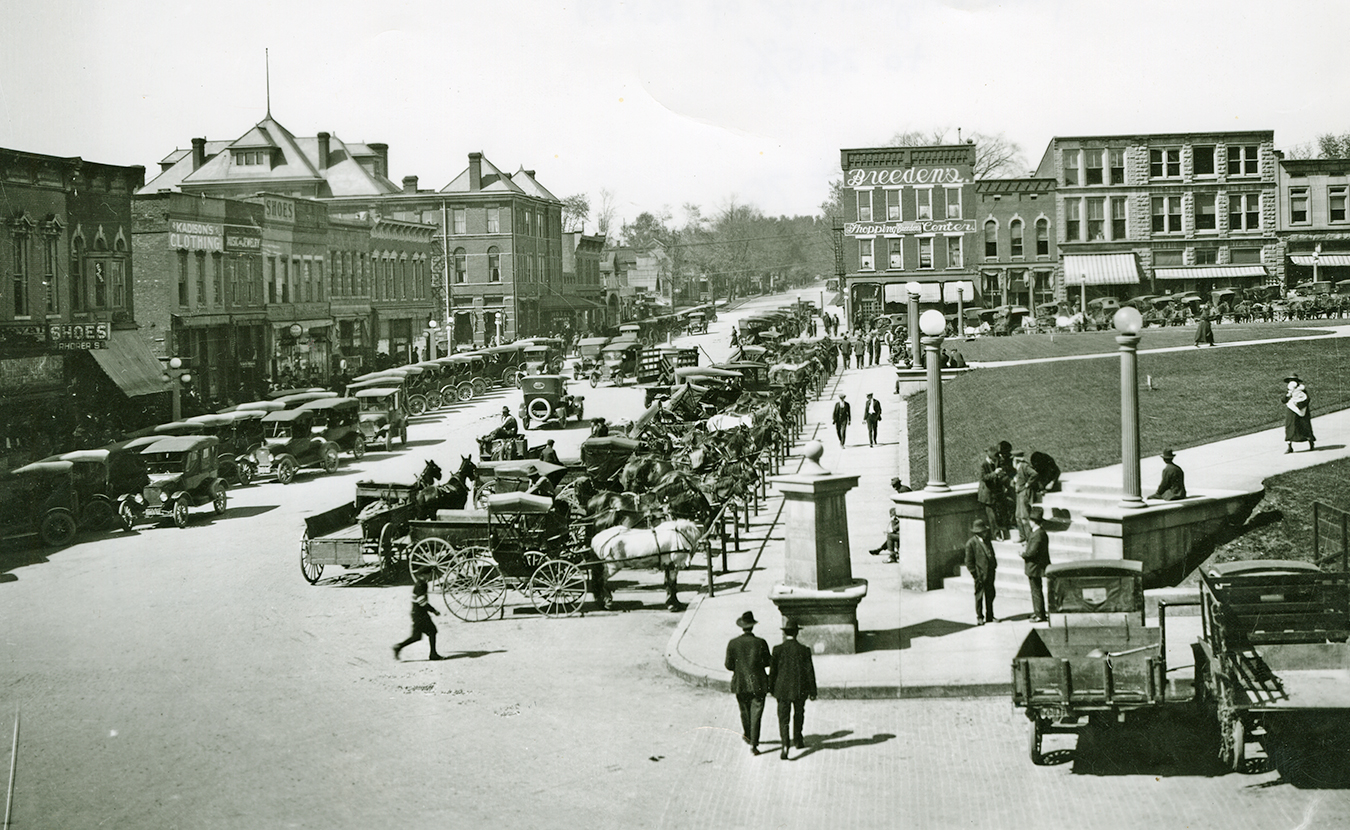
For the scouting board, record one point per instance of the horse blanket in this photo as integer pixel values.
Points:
(669, 544)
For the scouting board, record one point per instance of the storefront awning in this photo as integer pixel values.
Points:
(950, 289)
(130, 365)
(1323, 260)
(552, 303)
(1210, 272)
(306, 324)
(929, 292)
(1101, 269)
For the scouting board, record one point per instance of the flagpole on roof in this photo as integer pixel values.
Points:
(267, 75)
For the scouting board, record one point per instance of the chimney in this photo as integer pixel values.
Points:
(475, 171)
(323, 151)
(381, 159)
(198, 153)
(529, 173)
(409, 184)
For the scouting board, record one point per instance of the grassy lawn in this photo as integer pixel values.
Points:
(1072, 410)
(1029, 346)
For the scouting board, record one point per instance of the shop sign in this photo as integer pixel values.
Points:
(278, 210)
(194, 236)
(78, 336)
(244, 239)
(905, 175)
(911, 227)
(25, 335)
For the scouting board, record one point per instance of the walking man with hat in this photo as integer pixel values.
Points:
(843, 416)
(981, 563)
(1036, 554)
(748, 661)
(1172, 487)
(792, 678)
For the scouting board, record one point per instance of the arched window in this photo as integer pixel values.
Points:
(1015, 232)
(494, 264)
(991, 240)
(1042, 237)
(461, 265)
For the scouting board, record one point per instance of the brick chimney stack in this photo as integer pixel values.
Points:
(409, 184)
(323, 150)
(475, 171)
(198, 153)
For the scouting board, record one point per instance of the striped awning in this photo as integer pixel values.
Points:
(1210, 272)
(1101, 269)
(929, 292)
(950, 291)
(1324, 260)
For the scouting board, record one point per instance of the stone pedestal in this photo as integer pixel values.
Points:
(818, 590)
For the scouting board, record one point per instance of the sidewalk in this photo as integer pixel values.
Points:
(925, 644)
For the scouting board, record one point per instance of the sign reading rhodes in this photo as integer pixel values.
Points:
(904, 175)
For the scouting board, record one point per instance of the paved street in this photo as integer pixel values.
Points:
(192, 679)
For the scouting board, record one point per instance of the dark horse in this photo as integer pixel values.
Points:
(452, 495)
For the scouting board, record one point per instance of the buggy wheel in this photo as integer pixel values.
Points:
(310, 569)
(58, 528)
(431, 559)
(466, 390)
(417, 404)
(557, 588)
(1034, 734)
(330, 460)
(285, 469)
(481, 492)
(180, 512)
(385, 548)
(359, 446)
(97, 515)
(219, 499)
(475, 590)
(126, 514)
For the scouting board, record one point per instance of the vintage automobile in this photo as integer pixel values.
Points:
(546, 400)
(184, 473)
(278, 394)
(544, 357)
(235, 443)
(696, 323)
(289, 443)
(588, 351)
(383, 414)
(339, 420)
(102, 476)
(618, 360)
(301, 398)
(40, 499)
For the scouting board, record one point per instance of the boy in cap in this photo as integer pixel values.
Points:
(748, 659)
(421, 621)
(792, 677)
(981, 563)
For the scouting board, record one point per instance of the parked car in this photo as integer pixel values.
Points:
(184, 473)
(547, 400)
(289, 444)
(40, 499)
(101, 477)
(339, 420)
(383, 414)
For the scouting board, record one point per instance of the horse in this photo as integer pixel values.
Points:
(669, 545)
(452, 495)
(641, 472)
(682, 494)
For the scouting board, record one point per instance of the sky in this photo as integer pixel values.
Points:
(663, 104)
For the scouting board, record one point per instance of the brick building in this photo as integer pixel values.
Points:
(1313, 223)
(906, 214)
(1017, 251)
(70, 358)
(1165, 213)
(583, 301)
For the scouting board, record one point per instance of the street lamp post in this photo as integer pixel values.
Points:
(912, 290)
(176, 377)
(934, 325)
(960, 311)
(1128, 321)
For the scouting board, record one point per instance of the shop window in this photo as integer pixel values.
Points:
(1245, 256)
(1243, 160)
(953, 197)
(991, 239)
(1073, 220)
(864, 205)
(865, 252)
(1244, 212)
(1167, 214)
(1162, 259)
(1202, 160)
(1071, 177)
(1164, 163)
(1092, 167)
(1298, 205)
(1205, 218)
(494, 220)
(954, 258)
(923, 197)
(893, 205)
(461, 266)
(1042, 237)
(925, 252)
(1117, 160)
(1096, 220)
(1206, 256)
(1015, 235)
(494, 259)
(1336, 203)
(897, 259)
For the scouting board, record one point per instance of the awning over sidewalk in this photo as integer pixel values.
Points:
(551, 303)
(1101, 269)
(929, 292)
(1210, 272)
(1324, 260)
(130, 365)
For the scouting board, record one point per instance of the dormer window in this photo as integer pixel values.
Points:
(252, 157)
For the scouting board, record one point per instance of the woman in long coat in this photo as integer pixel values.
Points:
(1297, 414)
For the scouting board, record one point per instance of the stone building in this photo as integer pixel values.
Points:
(1313, 222)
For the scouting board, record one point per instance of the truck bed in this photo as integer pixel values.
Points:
(1070, 667)
(1294, 676)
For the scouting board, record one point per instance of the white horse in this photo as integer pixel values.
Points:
(669, 546)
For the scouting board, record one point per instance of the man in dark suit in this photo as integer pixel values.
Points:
(990, 492)
(748, 659)
(1172, 487)
(843, 416)
(981, 563)
(872, 415)
(1036, 554)
(792, 677)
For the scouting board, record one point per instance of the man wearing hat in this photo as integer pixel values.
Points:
(792, 678)
(981, 563)
(843, 416)
(1173, 484)
(748, 660)
(1036, 554)
(1026, 483)
(990, 493)
(599, 427)
(548, 454)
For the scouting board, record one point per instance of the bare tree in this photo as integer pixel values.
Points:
(576, 209)
(604, 212)
(995, 154)
(1306, 150)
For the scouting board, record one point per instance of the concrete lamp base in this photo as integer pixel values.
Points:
(828, 617)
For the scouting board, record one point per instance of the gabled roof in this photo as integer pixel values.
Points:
(492, 180)
(526, 182)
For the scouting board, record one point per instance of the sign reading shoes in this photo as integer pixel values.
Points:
(278, 210)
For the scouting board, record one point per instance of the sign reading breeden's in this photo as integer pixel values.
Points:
(909, 227)
(905, 175)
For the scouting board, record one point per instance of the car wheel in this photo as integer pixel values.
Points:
(97, 515)
(126, 514)
(246, 472)
(58, 528)
(285, 469)
(330, 460)
(359, 446)
(180, 512)
(219, 500)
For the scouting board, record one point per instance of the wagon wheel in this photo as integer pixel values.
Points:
(466, 390)
(359, 446)
(557, 588)
(595, 378)
(475, 590)
(1035, 730)
(431, 559)
(481, 491)
(126, 514)
(509, 376)
(58, 528)
(310, 569)
(385, 548)
(97, 515)
(247, 469)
